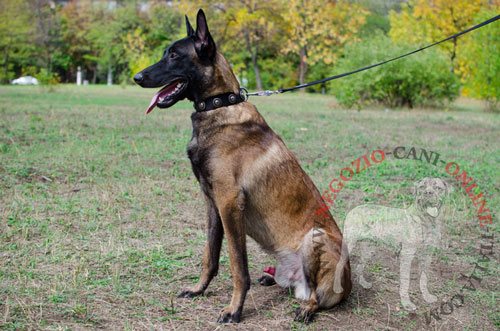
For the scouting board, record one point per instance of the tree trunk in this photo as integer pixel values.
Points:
(7, 65)
(254, 54)
(302, 67)
(110, 74)
(258, 80)
(48, 58)
(454, 51)
(94, 77)
(453, 55)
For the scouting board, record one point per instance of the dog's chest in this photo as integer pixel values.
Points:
(199, 157)
(193, 151)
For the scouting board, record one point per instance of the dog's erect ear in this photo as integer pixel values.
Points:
(204, 44)
(416, 186)
(189, 28)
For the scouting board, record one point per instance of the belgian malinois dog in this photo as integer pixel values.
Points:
(251, 182)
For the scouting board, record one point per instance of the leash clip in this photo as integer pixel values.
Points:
(265, 93)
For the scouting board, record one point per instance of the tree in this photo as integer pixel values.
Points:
(425, 21)
(47, 27)
(318, 29)
(144, 43)
(76, 23)
(164, 25)
(106, 35)
(421, 80)
(96, 34)
(15, 29)
(377, 18)
(251, 25)
(483, 61)
(255, 22)
(136, 52)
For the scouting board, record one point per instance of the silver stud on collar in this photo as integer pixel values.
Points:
(217, 102)
(202, 105)
(232, 98)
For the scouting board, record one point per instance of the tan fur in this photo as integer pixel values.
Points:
(256, 186)
(223, 79)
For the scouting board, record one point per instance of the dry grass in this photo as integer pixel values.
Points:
(102, 222)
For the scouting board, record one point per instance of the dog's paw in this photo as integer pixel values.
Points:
(266, 280)
(429, 298)
(364, 283)
(408, 305)
(189, 294)
(228, 316)
(304, 314)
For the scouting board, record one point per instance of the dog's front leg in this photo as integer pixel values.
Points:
(211, 252)
(424, 271)
(234, 228)
(406, 256)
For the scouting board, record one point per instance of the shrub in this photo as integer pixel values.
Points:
(421, 79)
(483, 61)
(45, 77)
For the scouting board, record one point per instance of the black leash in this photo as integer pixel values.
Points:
(283, 90)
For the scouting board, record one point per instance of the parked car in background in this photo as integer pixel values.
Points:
(25, 80)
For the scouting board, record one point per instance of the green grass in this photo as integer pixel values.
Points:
(102, 221)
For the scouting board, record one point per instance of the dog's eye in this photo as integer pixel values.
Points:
(172, 55)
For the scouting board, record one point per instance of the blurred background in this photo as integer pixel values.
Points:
(270, 44)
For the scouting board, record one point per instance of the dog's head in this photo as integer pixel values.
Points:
(184, 68)
(430, 193)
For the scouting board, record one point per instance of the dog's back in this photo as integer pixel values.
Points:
(277, 198)
(251, 182)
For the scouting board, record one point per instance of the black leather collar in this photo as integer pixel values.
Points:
(220, 100)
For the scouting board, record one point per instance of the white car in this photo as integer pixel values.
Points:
(25, 80)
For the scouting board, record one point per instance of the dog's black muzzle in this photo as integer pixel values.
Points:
(138, 78)
(144, 79)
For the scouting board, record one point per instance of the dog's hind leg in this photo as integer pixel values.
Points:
(211, 252)
(366, 252)
(322, 260)
(305, 312)
(306, 282)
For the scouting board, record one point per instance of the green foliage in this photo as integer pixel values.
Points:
(14, 32)
(275, 73)
(269, 44)
(483, 52)
(423, 79)
(45, 77)
(375, 23)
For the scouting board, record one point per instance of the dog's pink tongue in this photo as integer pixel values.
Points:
(163, 93)
(153, 102)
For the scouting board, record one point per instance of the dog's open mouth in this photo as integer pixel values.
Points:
(432, 208)
(168, 95)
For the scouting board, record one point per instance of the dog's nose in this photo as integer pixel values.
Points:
(138, 77)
